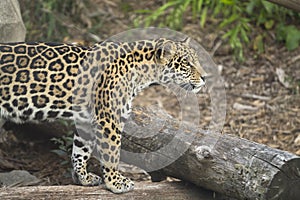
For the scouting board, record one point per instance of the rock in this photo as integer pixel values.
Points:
(12, 28)
(18, 178)
(282, 77)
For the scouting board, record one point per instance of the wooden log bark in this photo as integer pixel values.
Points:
(143, 190)
(290, 4)
(226, 164)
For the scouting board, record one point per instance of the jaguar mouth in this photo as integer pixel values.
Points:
(187, 86)
(191, 87)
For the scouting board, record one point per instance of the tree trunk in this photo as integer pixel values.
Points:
(226, 164)
(12, 28)
(290, 4)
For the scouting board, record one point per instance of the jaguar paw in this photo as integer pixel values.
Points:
(88, 180)
(118, 183)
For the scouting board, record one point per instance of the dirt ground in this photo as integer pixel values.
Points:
(260, 105)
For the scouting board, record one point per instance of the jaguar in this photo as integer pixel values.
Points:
(94, 86)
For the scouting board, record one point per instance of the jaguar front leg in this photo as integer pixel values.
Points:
(108, 146)
(82, 150)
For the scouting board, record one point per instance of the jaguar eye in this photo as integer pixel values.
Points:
(184, 61)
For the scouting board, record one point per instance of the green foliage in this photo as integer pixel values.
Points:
(240, 27)
(290, 34)
(236, 17)
(172, 12)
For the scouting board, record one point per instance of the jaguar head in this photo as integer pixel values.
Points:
(179, 64)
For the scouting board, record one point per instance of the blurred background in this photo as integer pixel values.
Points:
(255, 45)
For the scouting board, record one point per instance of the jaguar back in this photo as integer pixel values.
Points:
(36, 80)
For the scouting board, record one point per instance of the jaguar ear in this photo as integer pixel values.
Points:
(186, 41)
(164, 52)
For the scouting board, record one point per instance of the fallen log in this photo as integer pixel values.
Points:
(143, 190)
(226, 164)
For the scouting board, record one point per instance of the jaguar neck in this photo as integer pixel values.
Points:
(140, 59)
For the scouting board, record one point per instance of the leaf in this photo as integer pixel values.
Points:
(57, 141)
(185, 5)
(292, 38)
(218, 8)
(230, 20)
(268, 6)
(59, 152)
(244, 35)
(281, 77)
(203, 17)
(234, 36)
(142, 11)
(269, 24)
(199, 6)
(280, 32)
(226, 35)
(65, 162)
(228, 2)
(250, 6)
(258, 44)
